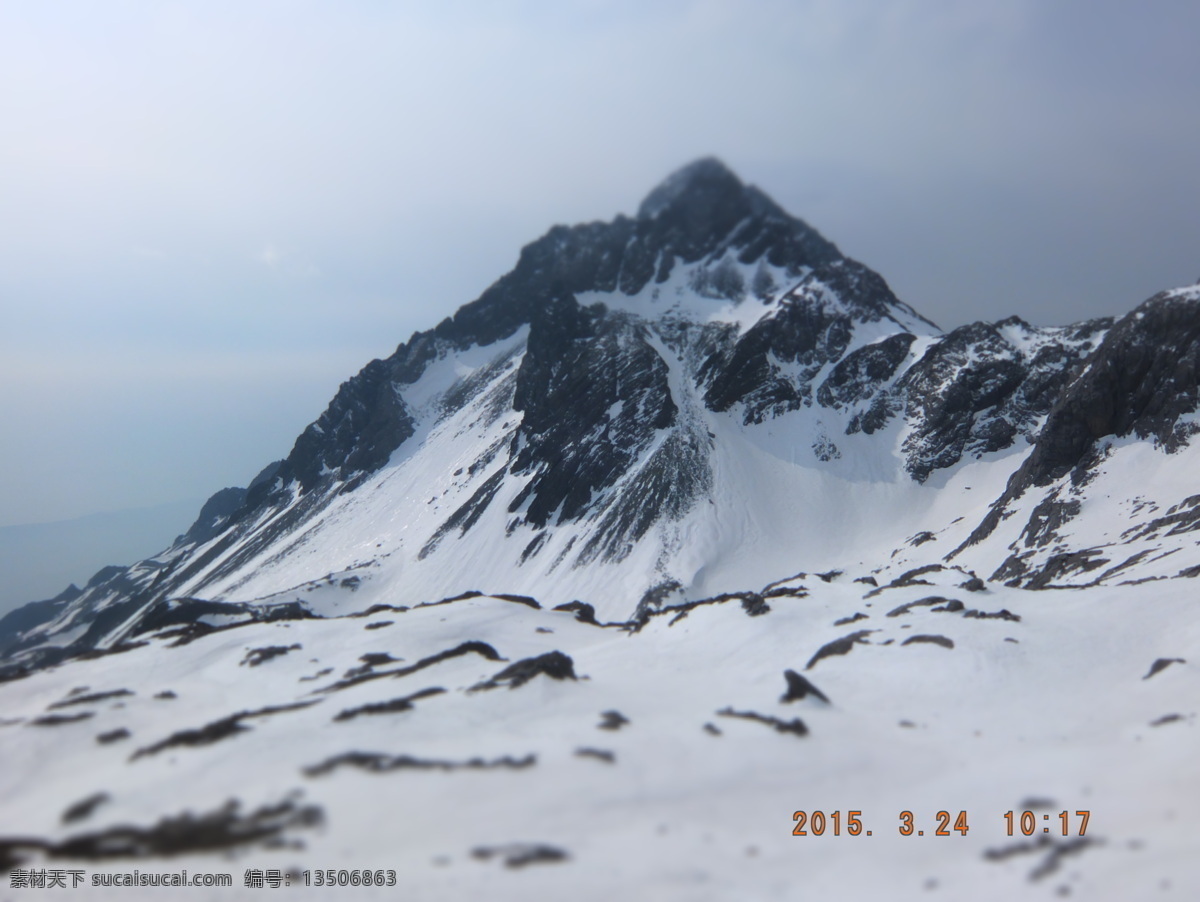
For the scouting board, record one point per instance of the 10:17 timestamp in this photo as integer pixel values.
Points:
(817, 823)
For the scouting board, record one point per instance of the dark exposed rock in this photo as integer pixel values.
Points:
(1064, 564)
(519, 599)
(794, 726)
(84, 807)
(1002, 614)
(113, 736)
(553, 664)
(584, 613)
(857, 616)
(216, 730)
(1165, 719)
(55, 720)
(90, 698)
(370, 661)
(861, 373)
(1046, 519)
(471, 647)
(1143, 377)
(378, 763)
(932, 640)
(799, 687)
(519, 855)
(612, 720)
(1054, 851)
(223, 828)
(393, 706)
(608, 757)
(953, 606)
(165, 695)
(379, 624)
(929, 601)
(840, 646)
(1162, 664)
(908, 578)
(974, 391)
(753, 604)
(256, 656)
(215, 514)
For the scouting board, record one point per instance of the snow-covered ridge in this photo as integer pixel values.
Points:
(668, 407)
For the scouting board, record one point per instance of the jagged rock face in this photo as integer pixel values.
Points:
(978, 389)
(593, 391)
(1142, 380)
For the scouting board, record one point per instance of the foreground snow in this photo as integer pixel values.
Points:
(1052, 712)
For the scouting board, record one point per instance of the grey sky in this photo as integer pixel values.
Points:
(212, 213)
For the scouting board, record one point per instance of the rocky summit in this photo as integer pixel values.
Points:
(650, 478)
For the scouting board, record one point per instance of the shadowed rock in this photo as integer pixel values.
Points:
(584, 612)
(217, 730)
(256, 656)
(472, 647)
(795, 726)
(599, 754)
(1165, 719)
(90, 699)
(1002, 614)
(376, 763)
(519, 855)
(1054, 851)
(389, 707)
(55, 720)
(553, 664)
(1162, 664)
(84, 807)
(929, 601)
(799, 687)
(181, 834)
(838, 647)
(612, 720)
(933, 640)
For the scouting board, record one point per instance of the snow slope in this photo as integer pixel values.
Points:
(684, 799)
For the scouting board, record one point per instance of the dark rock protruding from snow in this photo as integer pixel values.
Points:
(840, 646)
(1142, 380)
(1162, 664)
(612, 720)
(795, 726)
(188, 833)
(553, 664)
(932, 640)
(799, 687)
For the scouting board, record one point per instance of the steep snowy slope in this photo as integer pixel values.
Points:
(666, 406)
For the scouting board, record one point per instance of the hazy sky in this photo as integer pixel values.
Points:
(213, 213)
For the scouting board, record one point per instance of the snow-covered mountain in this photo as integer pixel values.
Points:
(673, 457)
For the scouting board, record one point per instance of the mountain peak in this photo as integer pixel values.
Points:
(706, 181)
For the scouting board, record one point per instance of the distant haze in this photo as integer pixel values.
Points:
(38, 561)
(213, 213)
